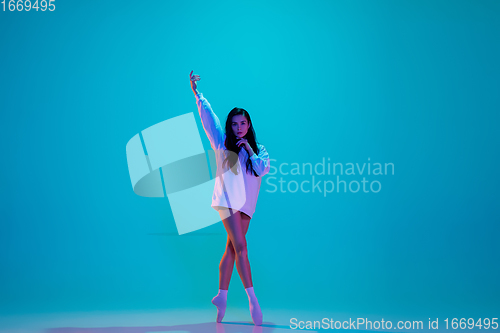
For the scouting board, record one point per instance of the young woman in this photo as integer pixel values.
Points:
(241, 163)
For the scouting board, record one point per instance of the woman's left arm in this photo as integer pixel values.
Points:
(260, 162)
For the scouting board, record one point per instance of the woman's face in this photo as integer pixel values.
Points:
(240, 125)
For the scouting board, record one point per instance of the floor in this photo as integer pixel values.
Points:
(236, 320)
(172, 321)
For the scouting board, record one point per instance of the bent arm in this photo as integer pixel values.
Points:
(210, 122)
(260, 162)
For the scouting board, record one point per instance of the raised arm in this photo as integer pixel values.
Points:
(260, 162)
(209, 119)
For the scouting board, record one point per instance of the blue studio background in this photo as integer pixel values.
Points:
(410, 83)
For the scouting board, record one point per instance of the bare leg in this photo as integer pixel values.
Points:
(236, 232)
(236, 225)
(227, 263)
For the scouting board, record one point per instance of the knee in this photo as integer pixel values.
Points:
(240, 248)
(230, 250)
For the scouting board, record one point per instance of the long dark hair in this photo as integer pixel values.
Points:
(231, 141)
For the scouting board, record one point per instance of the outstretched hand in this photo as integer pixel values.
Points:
(193, 79)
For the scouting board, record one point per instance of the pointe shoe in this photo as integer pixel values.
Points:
(256, 313)
(221, 307)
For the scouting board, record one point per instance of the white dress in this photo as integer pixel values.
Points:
(239, 192)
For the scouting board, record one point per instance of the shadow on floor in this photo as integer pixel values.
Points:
(226, 327)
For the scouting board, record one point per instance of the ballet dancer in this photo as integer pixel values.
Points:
(234, 198)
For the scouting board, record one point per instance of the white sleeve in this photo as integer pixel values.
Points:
(210, 122)
(260, 162)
